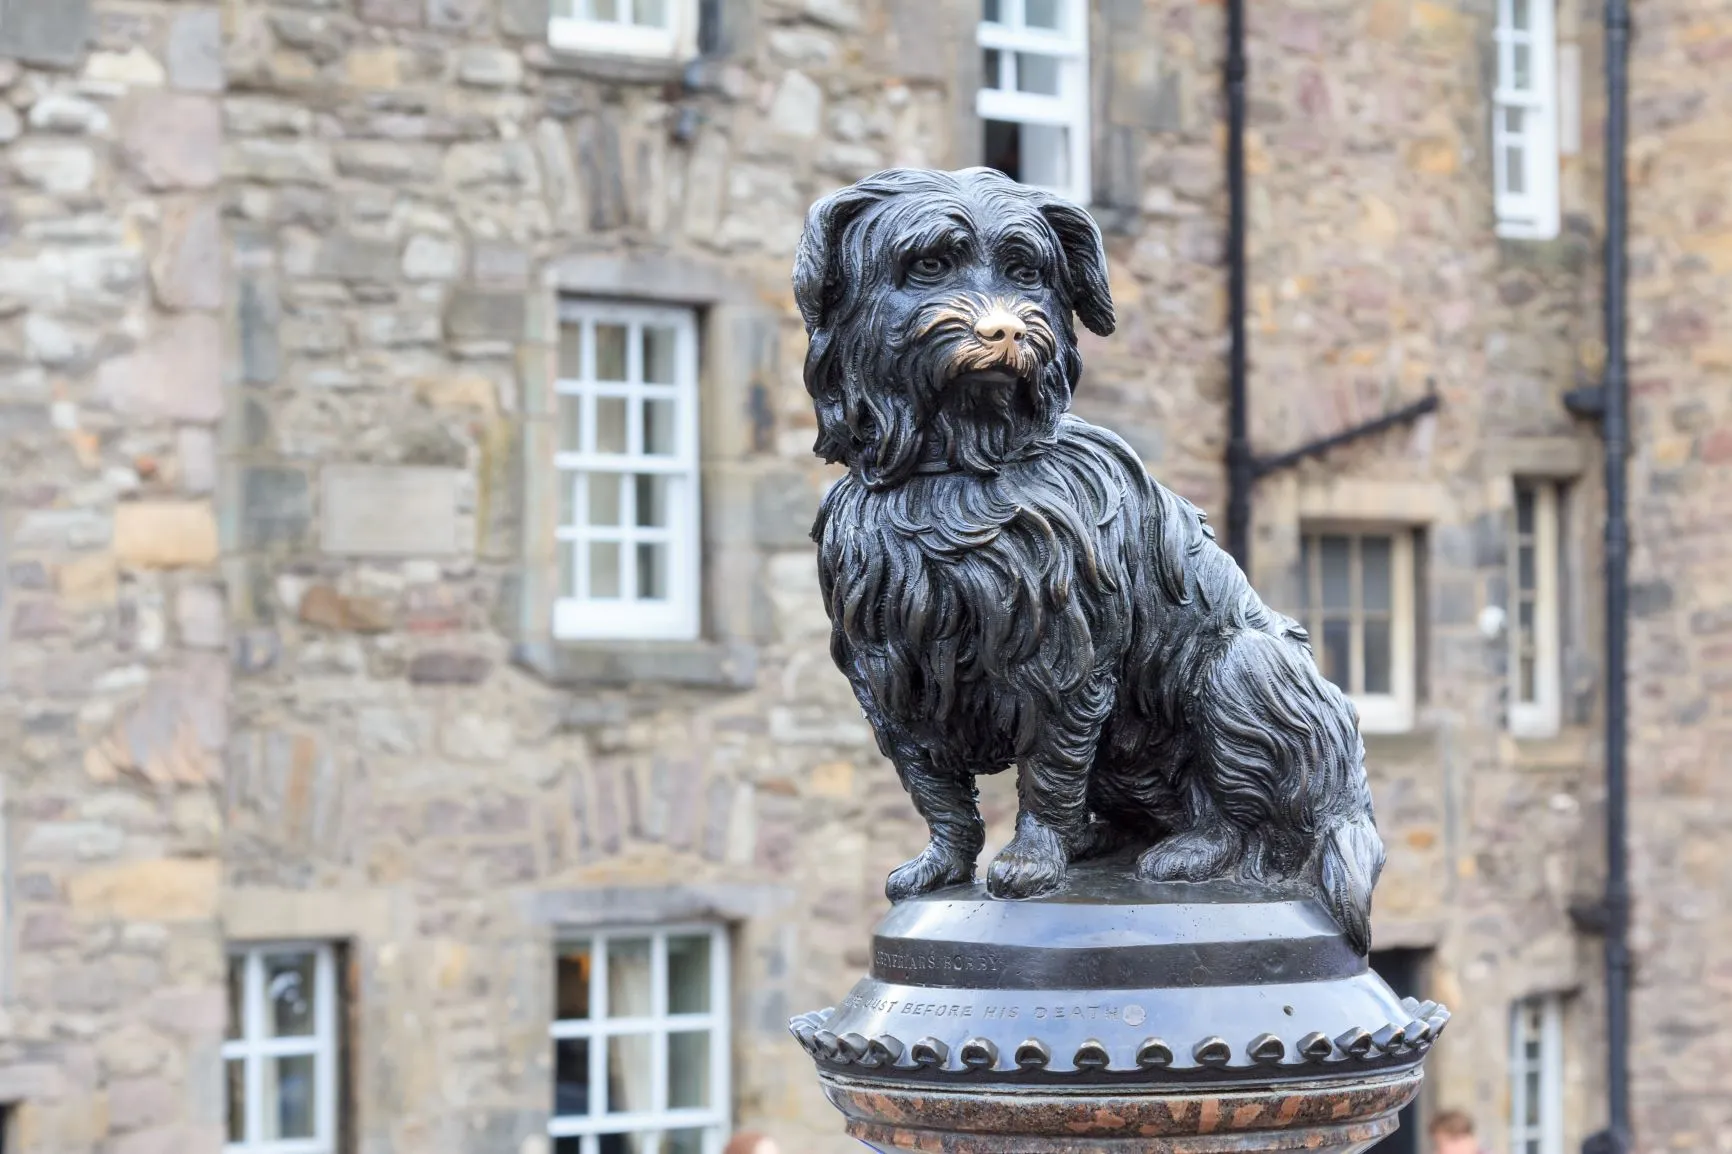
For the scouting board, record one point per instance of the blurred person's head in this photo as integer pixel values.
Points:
(751, 1144)
(1452, 1133)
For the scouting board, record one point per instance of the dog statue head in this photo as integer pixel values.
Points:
(939, 306)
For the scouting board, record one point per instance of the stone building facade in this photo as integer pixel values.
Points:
(281, 296)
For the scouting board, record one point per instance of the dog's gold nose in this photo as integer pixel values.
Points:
(1001, 329)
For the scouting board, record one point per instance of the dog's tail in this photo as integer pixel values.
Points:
(1352, 858)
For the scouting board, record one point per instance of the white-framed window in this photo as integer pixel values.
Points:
(627, 462)
(1358, 591)
(641, 1043)
(665, 29)
(1536, 617)
(1033, 98)
(280, 1053)
(1536, 1074)
(1525, 121)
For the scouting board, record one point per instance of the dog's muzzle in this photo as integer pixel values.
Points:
(991, 335)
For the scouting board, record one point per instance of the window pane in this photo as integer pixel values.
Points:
(1514, 181)
(1513, 121)
(1524, 511)
(660, 344)
(1003, 148)
(571, 352)
(1525, 616)
(604, 498)
(689, 974)
(1037, 74)
(571, 981)
(1377, 573)
(567, 569)
(625, 1144)
(1045, 155)
(1521, 67)
(237, 996)
(652, 572)
(289, 993)
(1525, 568)
(1378, 655)
(610, 348)
(1532, 1111)
(989, 64)
(628, 978)
(236, 1072)
(1337, 580)
(604, 570)
(571, 1076)
(684, 1142)
(1519, 14)
(604, 9)
(1527, 690)
(652, 500)
(652, 13)
(567, 485)
(610, 425)
(659, 439)
(288, 1091)
(989, 11)
(689, 1070)
(1334, 653)
(570, 423)
(1040, 13)
(628, 1074)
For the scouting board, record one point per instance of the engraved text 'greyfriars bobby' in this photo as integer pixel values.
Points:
(1008, 586)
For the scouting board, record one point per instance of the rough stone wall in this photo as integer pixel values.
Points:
(1680, 347)
(113, 695)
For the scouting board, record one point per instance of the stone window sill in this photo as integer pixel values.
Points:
(1405, 745)
(693, 664)
(1567, 749)
(612, 67)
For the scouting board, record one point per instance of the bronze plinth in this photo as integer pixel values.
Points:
(1118, 1015)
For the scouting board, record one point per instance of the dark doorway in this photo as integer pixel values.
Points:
(1405, 971)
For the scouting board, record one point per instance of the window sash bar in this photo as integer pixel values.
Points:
(578, 1125)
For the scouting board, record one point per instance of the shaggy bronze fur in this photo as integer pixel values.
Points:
(1008, 586)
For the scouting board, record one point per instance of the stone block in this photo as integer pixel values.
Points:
(165, 534)
(398, 13)
(51, 32)
(482, 66)
(88, 581)
(784, 507)
(477, 315)
(524, 19)
(57, 166)
(257, 311)
(428, 257)
(798, 107)
(388, 510)
(194, 51)
(68, 113)
(457, 15)
(175, 375)
(351, 258)
(324, 606)
(172, 139)
(387, 161)
(158, 890)
(201, 616)
(136, 1103)
(448, 667)
(187, 270)
(276, 507)
(598, 168)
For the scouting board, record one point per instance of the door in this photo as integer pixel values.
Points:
(1404, 970)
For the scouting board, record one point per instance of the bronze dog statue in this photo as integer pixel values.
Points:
(1007, 585)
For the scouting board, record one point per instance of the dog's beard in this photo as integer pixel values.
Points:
(935, 398)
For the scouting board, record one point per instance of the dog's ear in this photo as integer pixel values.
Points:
(1086, 257)
(815, 274)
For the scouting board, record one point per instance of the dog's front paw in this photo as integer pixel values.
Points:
(1190, 857)
(936, 867)
(1032, 864)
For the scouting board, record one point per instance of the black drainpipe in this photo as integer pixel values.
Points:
(1241, 465)
(1614, 429)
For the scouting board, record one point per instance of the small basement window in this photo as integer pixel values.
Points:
(661, 29)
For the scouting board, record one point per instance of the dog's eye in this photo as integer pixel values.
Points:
(929, 267)
(1025, 275)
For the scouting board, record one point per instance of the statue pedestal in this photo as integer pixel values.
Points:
(1118, 1015)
